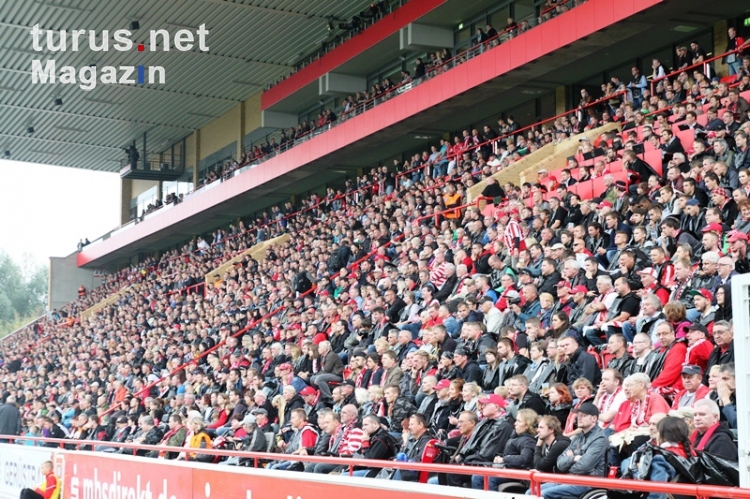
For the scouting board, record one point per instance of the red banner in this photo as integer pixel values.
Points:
(104, 476)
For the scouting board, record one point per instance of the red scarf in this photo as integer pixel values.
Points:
(638, 411)
(606, 402)
(705, 438)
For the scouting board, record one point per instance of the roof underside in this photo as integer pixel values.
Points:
(251, 42)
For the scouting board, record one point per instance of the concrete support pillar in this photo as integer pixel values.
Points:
(561, 99)
(423, 37)
(721, 38)
(126, 193)
(241, 132)
(336, 83)
(159, 190)
(197, 157)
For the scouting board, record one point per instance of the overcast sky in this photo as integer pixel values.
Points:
(45, 210)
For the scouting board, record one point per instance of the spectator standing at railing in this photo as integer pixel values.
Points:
(10, 418)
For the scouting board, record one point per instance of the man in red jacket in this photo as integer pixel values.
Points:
(669, 378)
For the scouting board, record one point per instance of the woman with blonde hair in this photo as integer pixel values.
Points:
(199, 439)
(279, 403)
(376, 403)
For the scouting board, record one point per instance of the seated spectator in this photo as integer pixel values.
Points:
(710, 434)
(199, 439)
(586, 455)
(693, 390)
(518, 452)
(302, 442)
(550, 444)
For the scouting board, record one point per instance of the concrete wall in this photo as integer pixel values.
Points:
(220, 133)
(65, 277)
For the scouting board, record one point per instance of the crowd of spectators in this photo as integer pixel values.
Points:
(542, 331)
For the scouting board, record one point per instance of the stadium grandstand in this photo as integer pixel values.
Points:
(501, 245)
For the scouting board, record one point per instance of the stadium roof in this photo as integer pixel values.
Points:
(252, 43)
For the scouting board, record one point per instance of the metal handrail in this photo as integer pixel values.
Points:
(535, 478)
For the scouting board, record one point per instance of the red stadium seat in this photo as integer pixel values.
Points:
(653, 158)
(687, 137)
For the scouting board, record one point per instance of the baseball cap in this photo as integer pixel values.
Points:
(558, 246)
(736, 235)
(493, 399)
(691, 369)
(698, 327)
(442, 384)
(708, 295)
(308, 390)
(348, 382)
(259, 410)
(587, 408)
(286, 366)
(605, 204)
(648, 271)
(579, 289)
(249, 419)
(563, 284)
(713, 228)
(693, 202)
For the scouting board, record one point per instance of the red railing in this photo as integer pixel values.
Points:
(534, 478)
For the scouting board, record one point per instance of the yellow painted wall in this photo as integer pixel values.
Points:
(141, 186)
(220, 132)
(190, 152)
(252, 114)
(721, 37)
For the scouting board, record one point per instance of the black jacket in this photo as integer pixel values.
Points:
(721, 444)
(545, 456)
(377, 447)
(519, 451)
(10, 420)
(531, 401)
(488, 440)
(471, 373)
(583, 365)
(720, 358)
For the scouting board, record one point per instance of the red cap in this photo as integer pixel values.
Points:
(579, 289)
(708, 295)
(442, 384)
(736, 235)
(286, 366)
(514, 211)
(551, 178)
(324, 293)
(308, 390)
(605, 204)
(563, 283)
(719, 190)
(493, 399)
(713, 228)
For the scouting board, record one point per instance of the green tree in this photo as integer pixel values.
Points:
(23, 292)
